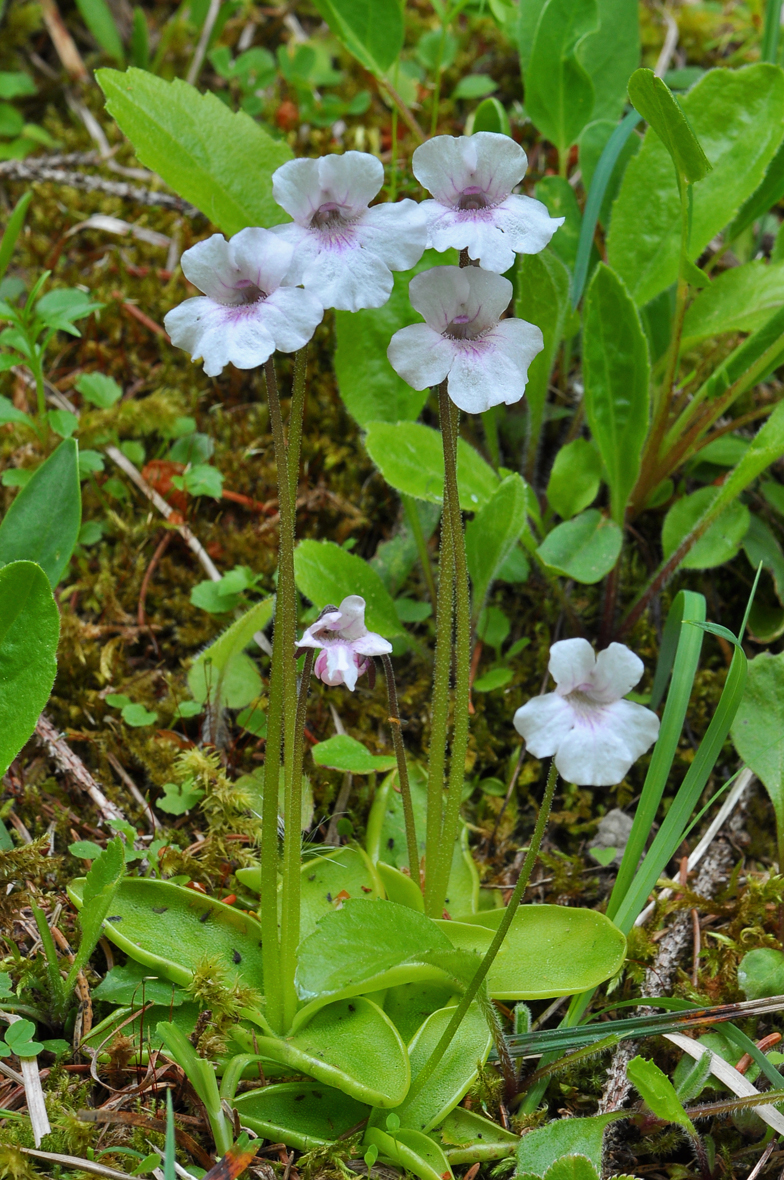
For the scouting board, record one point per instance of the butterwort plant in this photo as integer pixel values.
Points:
(322, 1011)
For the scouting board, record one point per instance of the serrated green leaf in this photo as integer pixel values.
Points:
(200, 148)
(736, 115)
(658, 1092)
(559, 93)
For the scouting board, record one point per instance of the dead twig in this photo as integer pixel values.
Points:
(67, 762)
(36, 169)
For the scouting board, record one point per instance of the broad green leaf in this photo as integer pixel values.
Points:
(559, 94)
(173, 929)
(761, 545)
(303, 1114)
(758, 728)
(611, 54)
(543, 1147)
(412, 1150)
(370, 388)
(410, 457)
(326, 573)
(761, 972)
(575, 478)
(371, 30)
(409, 1005)
(350, 1044)
(658, 1092)
(616, 375)
(456, 1071)
(493, 533)
(130, 983)
(741, 299)
(558, 196)
(542, 298)
(549, 950)
(719, 543)
(29, 631)
(223, 673)
(99, 20)
(327, 880)
(366, 946)
(654, 100)
(736, 115)
(467, 1136)
(573, 1167)
(219, 160)
(42, 524)
(584, 548)
(762, 199)
(491, 116)
(345, 753)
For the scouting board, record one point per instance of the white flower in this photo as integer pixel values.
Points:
(247, 310)
(594, 734)
(471, 178)
(343, 250)
(345, 642)
(486, 361)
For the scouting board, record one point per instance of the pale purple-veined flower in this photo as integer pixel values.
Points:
(249, 307)
(346, 644)
(485, 359)
(472, 178)
(594, 734)
(344, 251)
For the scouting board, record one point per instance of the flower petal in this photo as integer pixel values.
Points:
(420, 356)
(447, 166)
(341, 273)
(397, 233)
(440, 294)
(489, 295)
(249, 343)
(494, 368)
(474, 230)
(291, 316)
(350, 180)
(571, 665)
(526, 224)
(296, 186)
(314, 635)
(371, 645)
(595, 753)
(638, 726)
(209, 267)
(341, 666)
(221, 335)
(545, 722)
(351, 621)
(260, 256)
(617, 671)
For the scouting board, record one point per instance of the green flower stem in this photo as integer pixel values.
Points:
(296, 415)
(440, 708)
(450, 421)
(423, 1077)
(279, 975)
(402, 770)
(292, 849)
(415, 524)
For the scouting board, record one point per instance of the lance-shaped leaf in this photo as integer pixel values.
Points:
(559, 94)
(99, 889)
(617, 373)
(371, 30)
(42, 524)
(657, 104)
